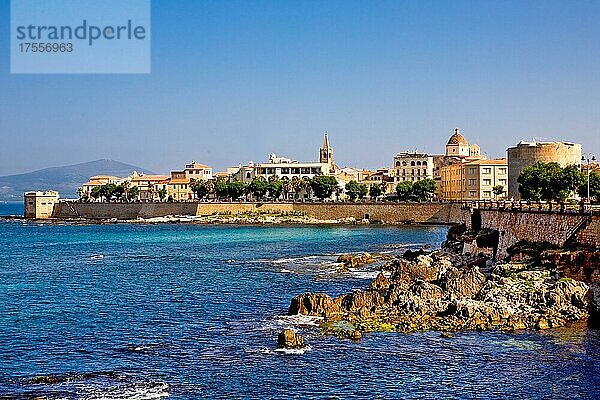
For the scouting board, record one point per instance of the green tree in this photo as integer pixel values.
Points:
(594, 187)
(133, 193)
(118, 191)
(353, 189)
(549, 181)
(404, 190)
(498, 190)
(424, 189)
(259, 187)
(221, 187)
(375, 191)
(162, 193)
(200, 188)
(236, 189)
(323, 186)
(276, 186)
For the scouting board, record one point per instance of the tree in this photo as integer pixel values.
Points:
(258, 187)
(162, 193)
(276, 187)
(375, 191)
(118, 191)
(549, 181)
(200, 188)
(221, 187)
(236, 189)
(323, 186)
(498, 190)
(404, 190)
(133, 192)
(424, 189)
(594, 187)
(353, 189)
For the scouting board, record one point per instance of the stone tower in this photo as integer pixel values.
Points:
(326, 153)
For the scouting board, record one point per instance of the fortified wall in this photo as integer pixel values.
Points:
(441, 213)
(552, 227)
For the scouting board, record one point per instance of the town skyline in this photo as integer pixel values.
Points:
(235, 81)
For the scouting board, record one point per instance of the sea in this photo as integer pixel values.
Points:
(182, 311)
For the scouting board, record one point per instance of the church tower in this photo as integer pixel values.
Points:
(326, 153)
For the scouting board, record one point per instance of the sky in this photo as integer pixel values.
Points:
(233, 81)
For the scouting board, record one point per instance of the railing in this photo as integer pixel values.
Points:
(575, 228)
(531, 206)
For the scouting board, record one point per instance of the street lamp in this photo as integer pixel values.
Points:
(588, 157)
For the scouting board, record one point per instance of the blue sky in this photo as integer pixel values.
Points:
(232, 81)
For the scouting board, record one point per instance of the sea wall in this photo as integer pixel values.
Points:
(589, 235)
(442, 213)
(513, 226)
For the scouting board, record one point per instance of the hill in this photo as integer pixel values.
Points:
(65, 179)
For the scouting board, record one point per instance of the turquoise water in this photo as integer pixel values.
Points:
(189, 312)
(8, 209)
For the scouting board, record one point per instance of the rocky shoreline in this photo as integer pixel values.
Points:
(459, 288)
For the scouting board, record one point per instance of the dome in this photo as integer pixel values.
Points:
(457, 138)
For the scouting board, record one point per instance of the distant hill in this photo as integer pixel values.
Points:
(65, 179)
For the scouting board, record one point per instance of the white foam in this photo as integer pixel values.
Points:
(299, 320)
(301, 350)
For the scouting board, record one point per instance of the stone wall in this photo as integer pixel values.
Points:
(442, 213)
(514, 226)
(589, 235)
(149, 210)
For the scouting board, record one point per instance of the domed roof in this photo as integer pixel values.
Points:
(457, 138)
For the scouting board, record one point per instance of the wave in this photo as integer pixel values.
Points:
(301, 350)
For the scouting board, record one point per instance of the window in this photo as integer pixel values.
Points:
(424, 163)
(487, 182)
(315, 170)
(472, 171)
(502, 171)
(397, 163)
(487, 170)
(503, 182)
(305, 170)
(248, 175)
(418, 162)
(471, 182)
(270, 171)
(285, 171)
(404, 164)
(472, 193)
(295, 171)
(487, 193)
(412, 163)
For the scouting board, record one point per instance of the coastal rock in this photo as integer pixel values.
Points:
(466, 284)
(355, 260)
(381, 283)
(316, 304)
(288, 339)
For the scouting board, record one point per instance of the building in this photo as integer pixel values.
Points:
(474, 180)
(326, 154)
(40, 205)
(98, 180)
(459, 146)
(146, 185)
(412, 167)
(525, 154)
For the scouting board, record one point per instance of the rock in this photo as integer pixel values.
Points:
(45, 380)
(411, 255)
(355, 260)
(467, 284)
(542, 323)
(355, 335)
(316, 304)
(288, 339)
(380, 283)
(446, 335)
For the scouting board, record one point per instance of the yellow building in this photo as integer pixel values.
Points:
(474, 180)
(98, 180)
(146, 185)
(40, 205)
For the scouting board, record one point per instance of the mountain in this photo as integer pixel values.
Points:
(65, 179)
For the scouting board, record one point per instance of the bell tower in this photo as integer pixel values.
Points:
(326, 153)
